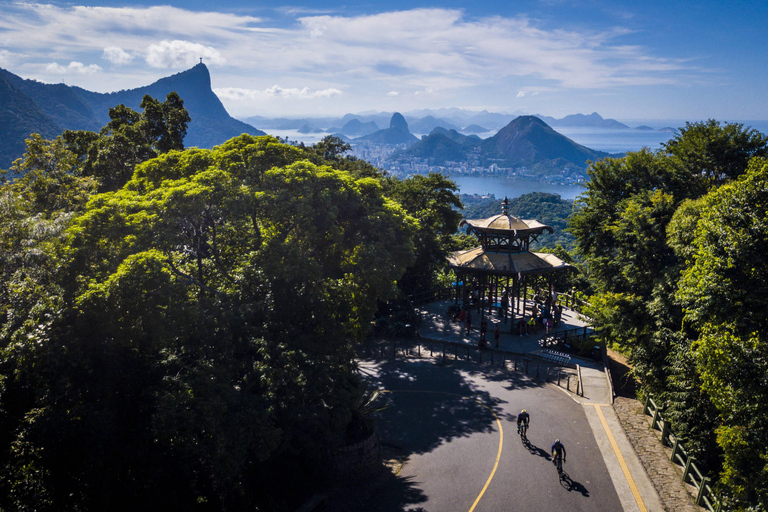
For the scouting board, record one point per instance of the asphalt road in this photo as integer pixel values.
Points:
(453, 427)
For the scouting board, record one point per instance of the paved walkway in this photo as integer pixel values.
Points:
(648, 482)
(665, 476)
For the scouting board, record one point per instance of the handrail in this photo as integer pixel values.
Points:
(691, 472)
(539, 365)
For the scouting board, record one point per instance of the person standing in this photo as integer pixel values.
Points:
(497, 335)
(469, 321)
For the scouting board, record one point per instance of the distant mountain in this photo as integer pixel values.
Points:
(529, 142)
(397, 133)
(355, 127)
(308, 129)
(429, 123)
(593, 120)
(526, 142)
(60, 107)
(644, 128)
(440, 146)
(282, 123)
(474, 128)
(19, 117)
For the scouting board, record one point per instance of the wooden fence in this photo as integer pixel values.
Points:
(691, 473)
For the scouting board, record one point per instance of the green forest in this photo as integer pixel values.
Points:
(178, 325)
(673, 243)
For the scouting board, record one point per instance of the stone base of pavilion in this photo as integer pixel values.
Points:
(437, 325)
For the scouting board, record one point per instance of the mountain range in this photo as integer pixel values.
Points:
(424, 121)
(527, 142)
(28, 106)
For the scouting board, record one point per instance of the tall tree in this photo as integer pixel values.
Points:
(724, 291)
(130, 138)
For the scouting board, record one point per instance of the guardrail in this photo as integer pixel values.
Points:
(691, 473)
(571, 301)
(533, 365)
(432, 295)
(561, 338)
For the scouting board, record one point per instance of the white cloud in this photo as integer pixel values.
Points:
(233, 93)
(181, 54)
(523, 94)
(74, 68)
(439, 51)
(393, 93)
(5, 58)
(116, 55)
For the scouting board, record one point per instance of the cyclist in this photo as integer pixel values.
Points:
(523, 419)
(558, 451)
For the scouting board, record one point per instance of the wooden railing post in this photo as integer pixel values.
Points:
(674, 449)
(691, 460)
(700, 495)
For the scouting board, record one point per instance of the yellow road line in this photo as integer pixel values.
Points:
(620, 457)
(498, 422)
(498, 457)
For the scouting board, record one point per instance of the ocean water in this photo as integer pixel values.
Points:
(616, 141)
(512, 187)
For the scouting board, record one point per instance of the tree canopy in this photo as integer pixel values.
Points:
(183, 340)
(673, 242)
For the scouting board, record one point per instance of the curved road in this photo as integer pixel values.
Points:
(453, 429)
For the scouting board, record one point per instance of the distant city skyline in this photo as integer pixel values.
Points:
(655, 60)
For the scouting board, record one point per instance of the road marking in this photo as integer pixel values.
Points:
(498, 422)
(620, 457)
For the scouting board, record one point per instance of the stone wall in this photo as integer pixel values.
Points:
(358, 459)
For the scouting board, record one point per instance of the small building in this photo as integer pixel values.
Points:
(500, 271)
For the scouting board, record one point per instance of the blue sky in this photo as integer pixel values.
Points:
(625, 60)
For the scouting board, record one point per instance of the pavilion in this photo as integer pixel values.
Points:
(499, 272)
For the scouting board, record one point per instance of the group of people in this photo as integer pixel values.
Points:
(464, 317)
(557, 451)
(546, 314)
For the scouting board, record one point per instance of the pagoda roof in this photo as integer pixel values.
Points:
(504, 263)
(504, 223)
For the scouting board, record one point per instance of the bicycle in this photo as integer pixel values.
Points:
(522, 429)
(557, 460)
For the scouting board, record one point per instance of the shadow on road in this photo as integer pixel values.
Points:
(429, 404)
(571, 485)
(535, 450)
(384, 492)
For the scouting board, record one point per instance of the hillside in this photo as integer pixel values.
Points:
(19, 116)
(59, 107)
(440, 146)
(397, 133)
(529, 142)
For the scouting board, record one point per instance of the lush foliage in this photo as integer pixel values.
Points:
(654, 229)
(723, 292)
(130, 138)
(182, 340)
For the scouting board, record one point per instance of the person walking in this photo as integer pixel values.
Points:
(497, 335)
